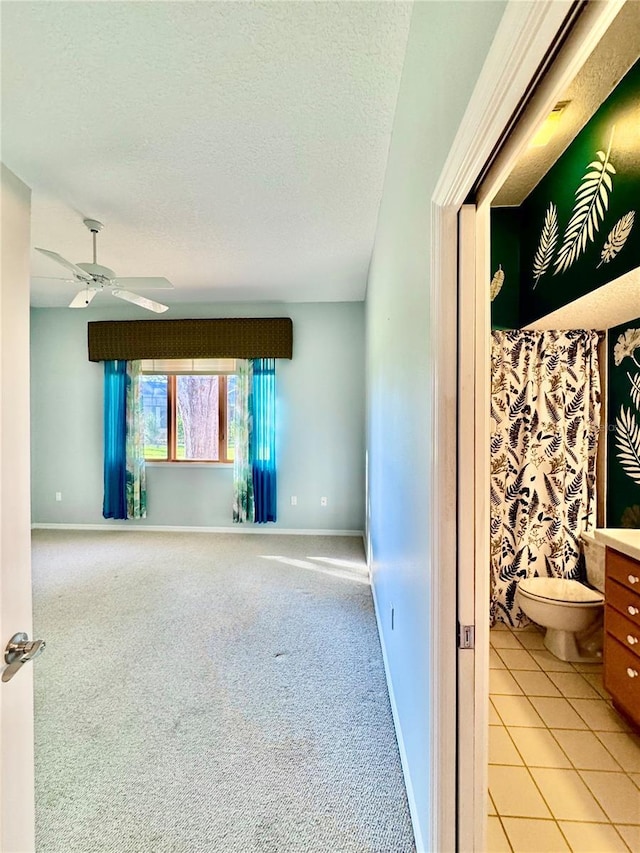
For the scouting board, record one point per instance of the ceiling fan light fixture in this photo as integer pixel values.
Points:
(94, 277)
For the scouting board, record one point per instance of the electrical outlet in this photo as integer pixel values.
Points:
(323, 502)
(58, 496)
(294, 500)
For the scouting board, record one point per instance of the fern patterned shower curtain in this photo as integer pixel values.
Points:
(545, 421)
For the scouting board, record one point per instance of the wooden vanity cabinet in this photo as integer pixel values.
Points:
(622, 633)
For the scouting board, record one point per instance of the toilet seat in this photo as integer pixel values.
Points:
(561, 590)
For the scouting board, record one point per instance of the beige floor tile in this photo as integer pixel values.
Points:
(592, 838)
(588, 668)
(514, 793)
(616, 793)
(517, 659)
(494, 719)
(502, 682)
(491, 809)
(596, 682)
(624, 747)
(567, 795)
(585, 751)
(495, 661)
(631, 835)
(500, 626)
(538, 748)
(501, 748)
(550, 663)
(533, 641)
(496, 839)
(573, 685)
(557, 713)
(535, 683)
(636, 778)
(517, 711)
(599, 715)
(532, 836)
(504, 640)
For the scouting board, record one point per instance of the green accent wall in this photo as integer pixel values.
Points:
(505, 253)
(617, 121)
(623, 491)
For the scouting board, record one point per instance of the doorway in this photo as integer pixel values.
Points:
(473, 468)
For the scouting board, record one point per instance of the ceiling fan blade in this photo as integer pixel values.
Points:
(83, 298)
(149, 304)
(54, 278)
(150, 283)
(77, 271)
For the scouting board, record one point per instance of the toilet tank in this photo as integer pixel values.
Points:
(594, 560)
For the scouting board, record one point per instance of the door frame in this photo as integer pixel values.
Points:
(525, 36)
(16, 696)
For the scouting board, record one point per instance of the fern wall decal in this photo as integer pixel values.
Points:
(592, 201)
(617, 238)
(628, 443)
(547, 244)
(635, 389)
(496, 283)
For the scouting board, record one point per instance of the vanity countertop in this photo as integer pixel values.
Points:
(622, 539)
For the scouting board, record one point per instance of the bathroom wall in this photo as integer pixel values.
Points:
(623, 426)
(505, 257)
(610, 143)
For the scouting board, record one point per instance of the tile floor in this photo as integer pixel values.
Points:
(564, 767)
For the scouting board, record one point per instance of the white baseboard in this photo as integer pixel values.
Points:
(413, 809)
(159, 528)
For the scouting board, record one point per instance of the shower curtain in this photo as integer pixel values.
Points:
(545, 419)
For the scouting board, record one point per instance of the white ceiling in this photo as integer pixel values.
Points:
(237, 148)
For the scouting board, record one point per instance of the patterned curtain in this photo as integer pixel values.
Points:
(264, 439)
(114, 503)
(243, 505)
(136, 470)
(545, 410)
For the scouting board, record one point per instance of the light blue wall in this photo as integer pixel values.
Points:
(446, 49)
(320, 423)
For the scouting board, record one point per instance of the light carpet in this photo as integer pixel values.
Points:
(211, 692)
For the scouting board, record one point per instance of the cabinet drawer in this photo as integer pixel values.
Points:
(624, 630)
(623, 600)
(622, 677)
(624, 570)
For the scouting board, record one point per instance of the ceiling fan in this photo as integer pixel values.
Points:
(94, 278)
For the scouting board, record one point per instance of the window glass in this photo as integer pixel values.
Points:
(231, 410)
(197, 417)
(154, 402)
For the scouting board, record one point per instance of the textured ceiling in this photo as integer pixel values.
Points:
(238, 149)
(617, 51)
(610, 305)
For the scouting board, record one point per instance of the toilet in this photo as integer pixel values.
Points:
(570, 611)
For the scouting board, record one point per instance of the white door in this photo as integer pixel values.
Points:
(16, 695)
(473, 525)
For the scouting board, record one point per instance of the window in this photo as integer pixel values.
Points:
(188, 410)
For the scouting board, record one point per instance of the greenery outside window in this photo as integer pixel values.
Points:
(188, 410)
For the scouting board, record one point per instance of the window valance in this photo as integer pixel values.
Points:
(234, 337)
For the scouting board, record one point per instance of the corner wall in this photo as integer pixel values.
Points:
(320, 426)
(447, 46)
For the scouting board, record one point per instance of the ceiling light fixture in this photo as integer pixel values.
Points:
(549, 126)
